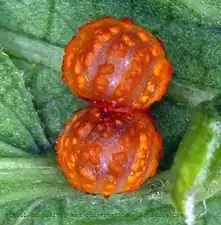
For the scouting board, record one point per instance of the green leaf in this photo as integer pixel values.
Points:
(197, 160)
(201, 12)
(195, 53)
(34, 34)
(16, 100)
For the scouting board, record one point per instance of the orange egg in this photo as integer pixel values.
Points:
(117, 62)
(104, 151)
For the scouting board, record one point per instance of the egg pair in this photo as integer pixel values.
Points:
(113, 146)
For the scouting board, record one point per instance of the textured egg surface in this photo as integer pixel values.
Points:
(117, 62)
(103, 151)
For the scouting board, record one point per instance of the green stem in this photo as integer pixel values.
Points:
(31, 50)
(39, 190)
(190, 94)
(24, 163)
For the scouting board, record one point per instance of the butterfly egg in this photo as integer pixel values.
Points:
(118, 62)
(104, 151)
